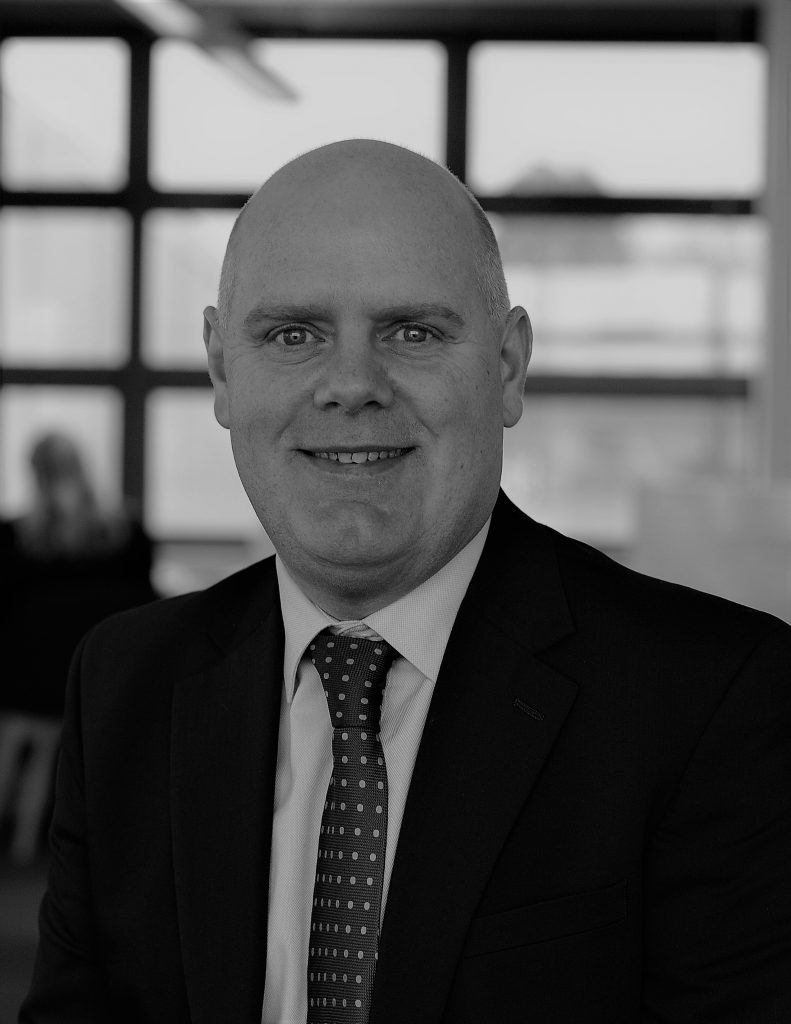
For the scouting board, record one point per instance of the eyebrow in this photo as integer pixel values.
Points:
(422, 311)
(268, 312)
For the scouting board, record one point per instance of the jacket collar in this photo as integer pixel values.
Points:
(496, 712)
(223, 755)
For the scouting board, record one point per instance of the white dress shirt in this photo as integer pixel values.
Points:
(418, 627)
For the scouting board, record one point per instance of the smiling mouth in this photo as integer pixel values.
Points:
(359, 457)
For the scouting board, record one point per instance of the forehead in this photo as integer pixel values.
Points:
(375, 233)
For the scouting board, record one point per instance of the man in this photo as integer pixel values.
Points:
(582, 776)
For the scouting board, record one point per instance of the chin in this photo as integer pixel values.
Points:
(353, 537)
(355, 549)
(357, 525)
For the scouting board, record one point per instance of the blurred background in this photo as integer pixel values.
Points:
(635, 162)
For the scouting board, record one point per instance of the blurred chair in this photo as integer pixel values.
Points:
(726, 537)
(28, 747)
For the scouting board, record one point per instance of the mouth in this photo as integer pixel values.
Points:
(357, 456)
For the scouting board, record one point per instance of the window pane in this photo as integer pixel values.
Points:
(192, 487)
(90, 416)
(675, 120)
(577, 463)
(183, 251)
(639, 295)
(65, 113)
(213, 130)
(64, 295)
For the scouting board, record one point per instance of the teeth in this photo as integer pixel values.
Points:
(359, 457)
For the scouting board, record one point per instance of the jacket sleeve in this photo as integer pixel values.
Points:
(717, 877)
(67, 985)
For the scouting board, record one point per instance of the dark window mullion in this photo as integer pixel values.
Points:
(135, 384)
(715, 387)
(456, 125)
(64, 376)
(604, 205)
(596, 205)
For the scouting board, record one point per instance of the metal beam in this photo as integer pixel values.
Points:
(697, 21)
(775, 393)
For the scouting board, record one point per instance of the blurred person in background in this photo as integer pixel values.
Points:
(65, 564)
(576, 805)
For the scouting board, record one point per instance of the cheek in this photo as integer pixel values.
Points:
(253, 439)
(256, 404)
(469, 445)
(480, 445)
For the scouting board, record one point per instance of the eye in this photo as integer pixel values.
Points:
(413, 334)
(294, 336)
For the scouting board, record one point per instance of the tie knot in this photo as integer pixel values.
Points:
(353, 672)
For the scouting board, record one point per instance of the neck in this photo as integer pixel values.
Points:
(342, 605)
(354, 592)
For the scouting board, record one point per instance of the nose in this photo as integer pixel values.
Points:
(353, 376)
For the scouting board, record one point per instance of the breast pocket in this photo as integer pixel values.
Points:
(549, 919)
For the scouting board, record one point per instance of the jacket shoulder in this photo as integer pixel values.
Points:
(638, 610)
(190, 630)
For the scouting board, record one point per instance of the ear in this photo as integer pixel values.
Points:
(215, 350)
(516, 346)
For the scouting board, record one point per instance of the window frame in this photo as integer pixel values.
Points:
(457, 29)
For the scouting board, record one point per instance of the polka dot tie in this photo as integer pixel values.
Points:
(347, 897)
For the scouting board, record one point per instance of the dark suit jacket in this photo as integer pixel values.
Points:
(598, 829)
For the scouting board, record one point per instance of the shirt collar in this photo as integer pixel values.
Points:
(418, 624)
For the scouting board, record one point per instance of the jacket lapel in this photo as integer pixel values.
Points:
(494, 717)
(224, 750)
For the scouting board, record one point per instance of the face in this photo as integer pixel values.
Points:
(364, 387)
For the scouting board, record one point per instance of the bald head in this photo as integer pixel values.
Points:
(366, 315)
(345, 172)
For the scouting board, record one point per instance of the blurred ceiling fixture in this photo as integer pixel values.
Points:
(216, 34)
